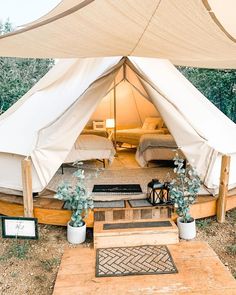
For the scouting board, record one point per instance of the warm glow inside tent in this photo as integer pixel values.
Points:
(46, 121)
(132, 103)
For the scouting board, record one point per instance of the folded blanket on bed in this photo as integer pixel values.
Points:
(93, 142)
(156, 141)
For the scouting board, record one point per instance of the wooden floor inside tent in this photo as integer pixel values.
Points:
(200, 272)
(124, 169)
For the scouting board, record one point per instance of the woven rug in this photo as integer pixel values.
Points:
(139, 260)
(127, 176)
(109, 204)
(140, 203)
(117, 189)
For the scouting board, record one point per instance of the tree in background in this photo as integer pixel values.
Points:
(18, 75)
(219, 86)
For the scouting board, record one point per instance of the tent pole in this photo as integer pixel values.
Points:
(124, 71)
(223, 188)
(115, 113)
(27, 187)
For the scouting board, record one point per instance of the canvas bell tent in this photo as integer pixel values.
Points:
(44, 124)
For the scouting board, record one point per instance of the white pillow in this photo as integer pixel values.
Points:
(152, 123)
(149, 126)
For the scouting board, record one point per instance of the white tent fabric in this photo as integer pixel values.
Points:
(185, 32)
(45, 123)
(128, 98)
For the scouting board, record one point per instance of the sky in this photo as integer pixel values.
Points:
(21, 12)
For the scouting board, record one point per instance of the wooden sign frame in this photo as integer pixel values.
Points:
(20, 227)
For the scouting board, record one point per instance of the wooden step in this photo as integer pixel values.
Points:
(129, 213)
(135, 233)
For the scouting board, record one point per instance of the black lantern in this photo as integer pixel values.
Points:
(158, 192)
(165, 193)
(155, 192)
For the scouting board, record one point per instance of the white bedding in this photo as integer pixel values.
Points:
(155, 147)
(89, 147)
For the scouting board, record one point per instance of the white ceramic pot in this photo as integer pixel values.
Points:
(76, 235)
(187, 231)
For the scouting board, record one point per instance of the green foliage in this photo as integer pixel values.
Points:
(184, 188)
(219, 86)
(18, 75)
(18, 249)
(203, 223)
(231, 249)
(48, 264)
(76, 199)
(232, 214)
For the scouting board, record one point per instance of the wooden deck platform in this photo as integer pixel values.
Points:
(149, 233)
(200, 272)
(50, 211)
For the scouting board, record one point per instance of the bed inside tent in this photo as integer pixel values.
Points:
(132, 114)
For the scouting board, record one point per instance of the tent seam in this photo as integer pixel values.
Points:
(145, 29)
(50, 20)
(158, 91)
(216, 21)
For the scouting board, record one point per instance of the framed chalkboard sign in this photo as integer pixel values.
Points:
(20, 227)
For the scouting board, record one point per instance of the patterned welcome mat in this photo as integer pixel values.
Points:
(139, 260)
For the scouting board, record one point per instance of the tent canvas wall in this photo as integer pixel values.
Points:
(132, 103)
(44, 124)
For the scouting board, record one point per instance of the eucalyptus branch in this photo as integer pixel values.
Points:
(77, 199)
(184, 188)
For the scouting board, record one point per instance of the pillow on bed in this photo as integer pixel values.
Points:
(149, 126)
(152, 123)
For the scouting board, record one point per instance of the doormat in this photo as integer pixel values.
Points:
(109, 204)
(126, 189)
(139, 260)
(140, 203)
(125, 225)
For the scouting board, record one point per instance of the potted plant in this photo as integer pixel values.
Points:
(79, 201)
(183, 192)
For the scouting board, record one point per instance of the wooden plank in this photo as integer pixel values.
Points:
(11, 199)
(223, 188)
(59, 217)
(203, 209)
(9, 207)
(137, 214)
(145, 290)
(196, 263)
(129, 214)
(231, 202)
(109, 215)
(137, 239)
(118, 214)
(195, 248)
(27, 187)
(135, 236)
(48, 203)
